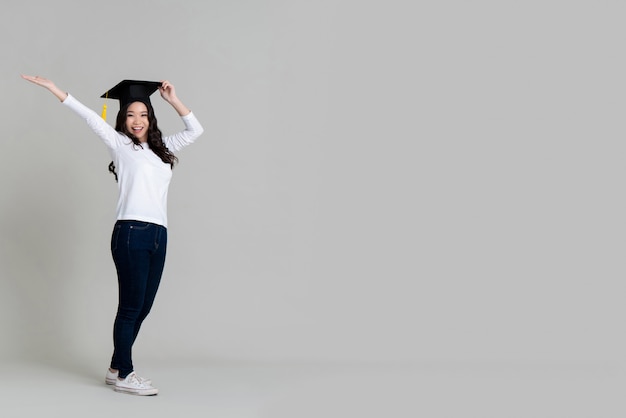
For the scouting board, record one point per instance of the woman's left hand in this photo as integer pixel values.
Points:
(169, 95)
(167, 90)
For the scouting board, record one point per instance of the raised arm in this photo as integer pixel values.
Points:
(48, 84)
(168, 93)
(106, 132)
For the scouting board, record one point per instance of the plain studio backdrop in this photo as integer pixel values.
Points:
(378, 182)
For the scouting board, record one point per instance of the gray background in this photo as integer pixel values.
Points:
(378, 182)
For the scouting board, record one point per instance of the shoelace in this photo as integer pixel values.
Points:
(135, 380)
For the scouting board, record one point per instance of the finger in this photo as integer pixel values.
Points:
(32, 79)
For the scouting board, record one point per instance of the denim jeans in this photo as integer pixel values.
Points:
(138, 250)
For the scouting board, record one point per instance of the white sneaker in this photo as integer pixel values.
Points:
(134, 386)
(111, 378)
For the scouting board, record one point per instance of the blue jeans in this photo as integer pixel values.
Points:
(138, 250)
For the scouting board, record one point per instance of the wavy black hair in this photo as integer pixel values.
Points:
(155, 137)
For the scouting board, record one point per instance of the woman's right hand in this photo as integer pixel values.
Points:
(40, 81)
(48, 84)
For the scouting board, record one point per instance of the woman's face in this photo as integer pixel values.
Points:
(137, 120)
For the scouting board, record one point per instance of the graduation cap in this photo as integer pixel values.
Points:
(129, 91)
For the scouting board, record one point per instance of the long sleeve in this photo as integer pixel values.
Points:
(106, 132)
(192, 131)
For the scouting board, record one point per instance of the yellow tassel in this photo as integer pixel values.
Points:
(104, 107)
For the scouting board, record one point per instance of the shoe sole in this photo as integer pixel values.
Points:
(145, 392)
(112, 381)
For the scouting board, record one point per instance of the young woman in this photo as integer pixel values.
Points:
(142, 164)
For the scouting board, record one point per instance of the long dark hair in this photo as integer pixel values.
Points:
(155, 137)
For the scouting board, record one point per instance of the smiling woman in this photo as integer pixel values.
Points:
(137, 121)
(136, 117)
(139, 240)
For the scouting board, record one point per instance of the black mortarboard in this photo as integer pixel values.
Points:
(129, 91)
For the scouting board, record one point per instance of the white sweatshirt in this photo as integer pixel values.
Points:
(143, 179)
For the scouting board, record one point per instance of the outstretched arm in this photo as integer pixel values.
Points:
(168, 92)
(110, 136)
(48, 84)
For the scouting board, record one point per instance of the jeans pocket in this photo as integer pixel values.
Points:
(140, 226)
(141, 236)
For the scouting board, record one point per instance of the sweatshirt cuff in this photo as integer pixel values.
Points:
(68, 99)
